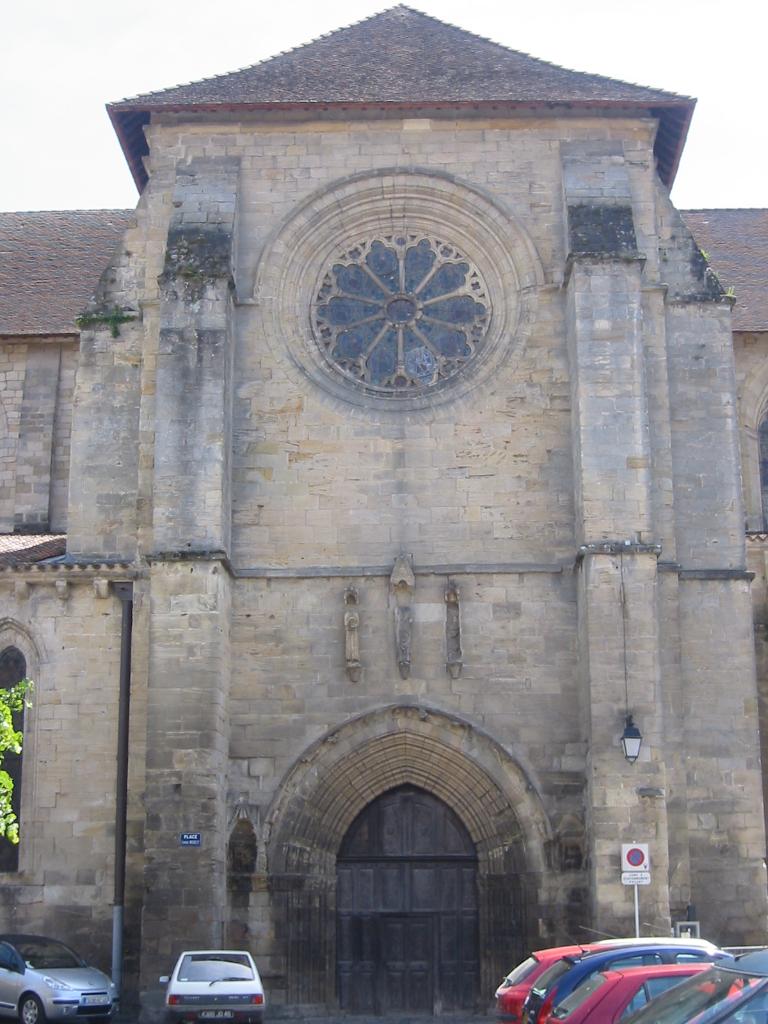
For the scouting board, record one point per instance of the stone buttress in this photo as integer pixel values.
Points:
(189, 665)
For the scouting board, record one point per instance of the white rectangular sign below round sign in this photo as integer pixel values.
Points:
(635, 857)
(635, 877)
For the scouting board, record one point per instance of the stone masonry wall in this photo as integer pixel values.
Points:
(487, 477)
(242, 650)
(70, 637)
(12, 362)
(36, 384)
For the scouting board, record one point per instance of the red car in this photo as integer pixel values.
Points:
(608, 996)
(511, 993)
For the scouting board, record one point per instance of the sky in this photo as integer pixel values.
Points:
(61, 61)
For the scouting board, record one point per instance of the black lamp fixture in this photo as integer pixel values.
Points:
(631, 740)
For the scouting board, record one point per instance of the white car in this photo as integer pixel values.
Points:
(214, 984)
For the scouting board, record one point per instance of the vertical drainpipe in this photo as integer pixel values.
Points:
(124, 591)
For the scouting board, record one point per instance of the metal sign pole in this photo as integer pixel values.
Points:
(637, 912)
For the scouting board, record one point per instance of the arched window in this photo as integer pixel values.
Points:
(13, 668)
(762, 440)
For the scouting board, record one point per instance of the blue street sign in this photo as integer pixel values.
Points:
(190, 838)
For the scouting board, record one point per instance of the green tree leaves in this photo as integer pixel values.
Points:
(12, 702)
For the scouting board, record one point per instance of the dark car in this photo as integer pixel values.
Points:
(559, 980)
(734, 992)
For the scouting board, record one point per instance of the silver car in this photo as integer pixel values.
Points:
(215, 985)
(43, 979)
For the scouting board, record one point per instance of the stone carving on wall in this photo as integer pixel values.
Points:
(453, 655)
(402, 586)
(352, 634)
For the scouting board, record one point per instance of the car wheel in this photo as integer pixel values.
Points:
(31, 1009)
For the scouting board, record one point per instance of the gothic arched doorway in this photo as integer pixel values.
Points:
(407, 932)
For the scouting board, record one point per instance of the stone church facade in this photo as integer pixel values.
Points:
(399, 457)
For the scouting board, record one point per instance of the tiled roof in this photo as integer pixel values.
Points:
(402, 56)
(21, 548)
(736, 243)
(50, 265)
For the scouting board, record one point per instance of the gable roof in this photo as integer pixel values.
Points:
(404, 58)
(736, 244)
(50, 265)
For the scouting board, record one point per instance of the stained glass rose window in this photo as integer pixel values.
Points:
(397, 315)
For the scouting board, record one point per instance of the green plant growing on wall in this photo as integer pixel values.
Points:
(111, 318)
(12, 701)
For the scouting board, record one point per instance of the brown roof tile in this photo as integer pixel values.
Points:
(736, 243)
(400, 56)
(20, 548)
(50, 265)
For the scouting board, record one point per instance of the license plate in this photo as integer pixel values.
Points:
(94, 1000)
(215, 1015)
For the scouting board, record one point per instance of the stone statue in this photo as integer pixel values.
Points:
(351, 634)
(402, 586)
(453, 655)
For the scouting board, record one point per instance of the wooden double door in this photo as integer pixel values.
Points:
(407, 937)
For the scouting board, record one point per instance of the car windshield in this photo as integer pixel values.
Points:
(692, 999)
(213, 967)
(46, 954)
(521, 972)
(578, 996)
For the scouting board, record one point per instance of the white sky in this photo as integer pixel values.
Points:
(62, 60)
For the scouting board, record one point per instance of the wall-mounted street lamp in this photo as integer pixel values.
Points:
(631, 740)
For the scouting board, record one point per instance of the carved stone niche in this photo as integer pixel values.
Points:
(454, 658)
(569, 852)
(402, 588)
(352, 635)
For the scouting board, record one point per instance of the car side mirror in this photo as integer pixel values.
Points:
(164, 979)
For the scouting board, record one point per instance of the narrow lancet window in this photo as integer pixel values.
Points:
(13, 668)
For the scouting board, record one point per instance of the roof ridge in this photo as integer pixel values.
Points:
(96, 209)
(726, 209)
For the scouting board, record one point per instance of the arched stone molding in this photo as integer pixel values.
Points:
(367, 205)
(753, 408)
(14, 634)
(753, 400)
(353, 764)
(361, 759)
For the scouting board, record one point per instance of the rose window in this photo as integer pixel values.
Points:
(399, 314)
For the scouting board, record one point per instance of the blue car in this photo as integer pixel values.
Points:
(559, 980)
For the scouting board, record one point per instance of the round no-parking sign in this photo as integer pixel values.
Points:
(634, 857)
